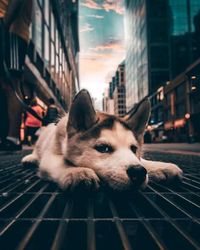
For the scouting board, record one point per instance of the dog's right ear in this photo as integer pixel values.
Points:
(82, 115)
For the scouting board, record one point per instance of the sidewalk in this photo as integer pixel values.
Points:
(177, 148)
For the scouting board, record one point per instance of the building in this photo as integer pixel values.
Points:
(182, 106)
(108, 103)
(52, 61)
(163, 39)
(114, 101)
(156, 124)
(119, 93)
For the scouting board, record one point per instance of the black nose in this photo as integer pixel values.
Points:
(137, 173)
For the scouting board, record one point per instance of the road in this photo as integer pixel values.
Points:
(177, 148)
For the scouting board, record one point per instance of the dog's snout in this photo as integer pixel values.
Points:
(137, 173)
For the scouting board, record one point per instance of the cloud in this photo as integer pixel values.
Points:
(87, 28)
(96, 16)
(114, 5)
(107, 5)
(91, 5)
(96, 64)
(111, 45)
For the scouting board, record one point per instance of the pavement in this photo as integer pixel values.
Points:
(174, 148)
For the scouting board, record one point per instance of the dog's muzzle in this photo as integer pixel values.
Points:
(137, 174)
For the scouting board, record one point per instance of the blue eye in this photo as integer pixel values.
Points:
(133, 149)
(104, 148)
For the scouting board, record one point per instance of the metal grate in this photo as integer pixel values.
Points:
(36, 215)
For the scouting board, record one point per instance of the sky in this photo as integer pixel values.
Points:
(101, 30)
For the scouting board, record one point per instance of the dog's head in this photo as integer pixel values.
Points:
(109, 145)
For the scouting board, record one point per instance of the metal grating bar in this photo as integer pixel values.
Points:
(174, 224)
(155, 237)
(125, 242)
(62, 228)
(29, 235)
(91, 240)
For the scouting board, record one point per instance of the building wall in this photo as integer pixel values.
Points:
(163, 39)
(175, 110)
(136, 52)
(114, 101)
(119, 97)
(52, 65)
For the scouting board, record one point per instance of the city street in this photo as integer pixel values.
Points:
(166, 216)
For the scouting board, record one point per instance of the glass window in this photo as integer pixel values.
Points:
(52, 27)
(52, 58)
(38, 30)
(46, 47)
(159, 57)
(46, 11)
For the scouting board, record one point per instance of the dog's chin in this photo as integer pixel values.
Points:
(126, 186)
(145, 183)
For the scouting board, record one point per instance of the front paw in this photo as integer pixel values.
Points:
(80, 179)
(167, 173)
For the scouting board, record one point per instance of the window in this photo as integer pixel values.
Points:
(38, 29)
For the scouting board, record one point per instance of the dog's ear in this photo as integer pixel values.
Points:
(82, 115)
(138, 118)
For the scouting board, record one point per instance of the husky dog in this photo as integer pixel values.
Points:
(89, 147)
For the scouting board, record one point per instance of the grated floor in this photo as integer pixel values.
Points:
(35, 214)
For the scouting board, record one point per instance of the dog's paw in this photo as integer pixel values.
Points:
(80, 179)
(167, 173)
(29, 161)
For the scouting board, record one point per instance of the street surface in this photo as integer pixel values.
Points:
(177, 148)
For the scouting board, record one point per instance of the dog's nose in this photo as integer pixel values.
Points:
(137, 173)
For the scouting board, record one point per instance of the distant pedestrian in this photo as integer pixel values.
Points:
(52, 113)
(32, 124)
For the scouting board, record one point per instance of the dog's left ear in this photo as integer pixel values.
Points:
(138, 118)
(82, 115)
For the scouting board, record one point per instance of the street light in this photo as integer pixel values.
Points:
(193, 88)
(187, 116)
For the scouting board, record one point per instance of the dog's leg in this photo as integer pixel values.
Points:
(161, 171)
(54, 168)
(30, 160)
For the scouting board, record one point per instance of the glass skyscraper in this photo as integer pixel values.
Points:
(163, 38)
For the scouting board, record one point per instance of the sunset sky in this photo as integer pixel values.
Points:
(101, 28)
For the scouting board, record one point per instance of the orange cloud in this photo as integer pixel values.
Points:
(95, 69)
(114, 5)
(112, 45)
(107, 5)
(91, 5)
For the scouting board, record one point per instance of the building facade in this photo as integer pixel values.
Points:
(114, 101)
(175, 113)
(52, 61)
(163, 39)
(182, 106)
(119, 94)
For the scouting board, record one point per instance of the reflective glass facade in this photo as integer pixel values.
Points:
(184, 34)
(136, 59)
(163, 38)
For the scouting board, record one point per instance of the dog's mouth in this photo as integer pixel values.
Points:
(141, 184)
(130, 184)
